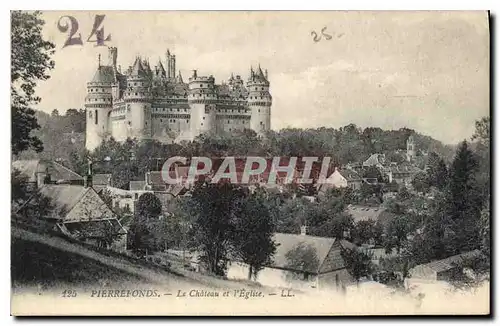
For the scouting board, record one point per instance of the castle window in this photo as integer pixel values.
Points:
(161, 120)
(262, 88)
(96, 119)
(201, 85)
(202, 123)
(259, 110)
(136, 94)
(90, 114)
(174, 120)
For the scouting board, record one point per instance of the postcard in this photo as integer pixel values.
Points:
(250, 163)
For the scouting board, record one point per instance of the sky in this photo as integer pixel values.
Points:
(427, 71)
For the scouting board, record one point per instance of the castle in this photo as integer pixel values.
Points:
(154, 103)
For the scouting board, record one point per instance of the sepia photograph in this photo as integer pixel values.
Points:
(250, 163)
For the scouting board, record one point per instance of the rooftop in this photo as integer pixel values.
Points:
(450, 262)
(289, 242)
(104, 74)
(366, 213)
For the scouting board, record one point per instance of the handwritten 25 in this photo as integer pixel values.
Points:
(317, 37)
(72, 24)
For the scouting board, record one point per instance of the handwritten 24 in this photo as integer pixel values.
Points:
(71, 24)
(323, 34)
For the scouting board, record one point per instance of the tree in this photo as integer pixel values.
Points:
(212, 207)
(148, 207)
(437, 174)
(302, 259)
(19, 187)
(338, 225)
(400, 264)
(421, 182)
(482, 139)
(482, 132)
(30, 61)
(464, 201)
(403, 194)
(253, 232)
(485, 229)
(365, 231)
(358, 262)
(145, 231)
(396, 233)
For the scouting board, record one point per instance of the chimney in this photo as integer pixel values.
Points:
(87, 181)
(303, 230)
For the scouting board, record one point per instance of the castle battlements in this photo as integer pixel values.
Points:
(148, 101)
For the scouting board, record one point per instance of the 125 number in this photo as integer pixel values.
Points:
(68, 294)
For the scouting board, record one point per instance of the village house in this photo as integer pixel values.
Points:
(40, 172)
(441, 271)
(365, 213)
(376, 214)
(301, 261)
(402, 174)
(376, 160)
(79, 212)
(341, 178)
(101, 181)
(75, 208)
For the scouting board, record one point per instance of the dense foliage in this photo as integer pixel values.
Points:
(30, 62)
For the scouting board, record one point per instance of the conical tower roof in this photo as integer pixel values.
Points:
(161, 68)
(104, 74)
(179, 78)
(138, 69)
(260, 75)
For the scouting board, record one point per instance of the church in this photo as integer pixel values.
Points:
(155, 102)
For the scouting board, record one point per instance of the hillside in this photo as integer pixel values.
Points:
(43, 262)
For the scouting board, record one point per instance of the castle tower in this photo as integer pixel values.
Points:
(410, 149)
(202, 101)
(138, 102)
(98, 105)
(259, 101)
(170, 65)
(112, 56)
